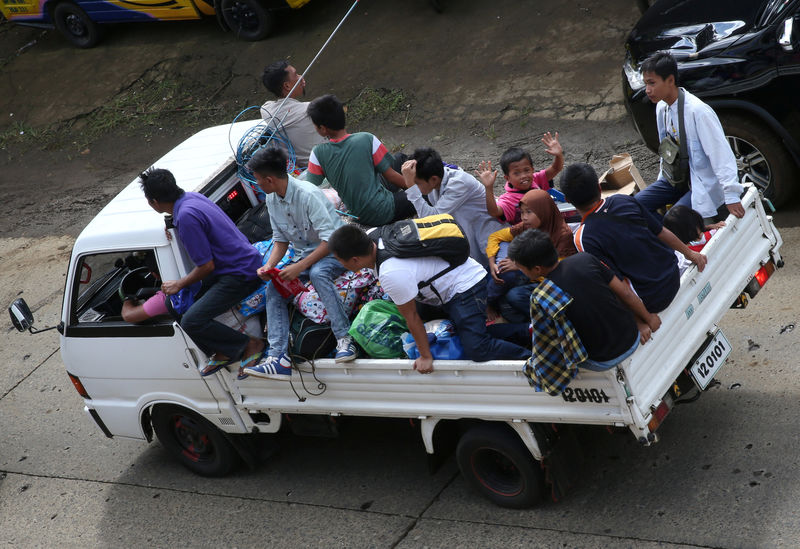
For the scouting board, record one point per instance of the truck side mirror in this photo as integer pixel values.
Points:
(21, 315)
(785, 39)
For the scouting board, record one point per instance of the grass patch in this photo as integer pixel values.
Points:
(142, 105)
(379, 104)
(21, 133)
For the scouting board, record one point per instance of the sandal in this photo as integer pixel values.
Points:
(214, 365)
(254, 358)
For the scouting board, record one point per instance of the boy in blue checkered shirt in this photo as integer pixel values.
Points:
(582, 314)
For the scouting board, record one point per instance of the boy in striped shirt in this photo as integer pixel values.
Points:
(354, 164)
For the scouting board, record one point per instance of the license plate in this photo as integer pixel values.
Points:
(710, 360)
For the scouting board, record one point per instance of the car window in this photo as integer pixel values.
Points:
(95, 296)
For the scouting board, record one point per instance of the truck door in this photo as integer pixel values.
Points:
(125, 366)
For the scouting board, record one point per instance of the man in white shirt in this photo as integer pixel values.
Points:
(279, 78)
(451, 191)
(461, 292)
(715, 189)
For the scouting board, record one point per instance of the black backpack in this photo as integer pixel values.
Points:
(254, 223)
(434, 235)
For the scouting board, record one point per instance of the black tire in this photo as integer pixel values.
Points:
(194, 441)
(496, 464)
(248, 19)
(760, 156)
(73, 23)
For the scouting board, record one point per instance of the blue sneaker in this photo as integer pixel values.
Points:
(345, 349)
(272, 367)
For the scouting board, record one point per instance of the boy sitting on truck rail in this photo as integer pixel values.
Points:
(353, 164)
(301, 215)
(461, 292)
(225, 262)
(621, 233)
(583, 315)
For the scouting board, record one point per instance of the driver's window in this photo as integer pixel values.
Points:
(98, 279)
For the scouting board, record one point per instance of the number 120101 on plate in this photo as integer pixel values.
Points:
(710, 360)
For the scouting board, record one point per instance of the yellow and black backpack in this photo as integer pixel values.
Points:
(431, 236)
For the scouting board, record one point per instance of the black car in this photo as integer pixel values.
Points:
(742, 57)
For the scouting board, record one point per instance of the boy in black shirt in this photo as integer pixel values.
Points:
(609, 318)
(627, 238)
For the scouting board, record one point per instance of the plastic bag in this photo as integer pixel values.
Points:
(377, 329)
(442, 340)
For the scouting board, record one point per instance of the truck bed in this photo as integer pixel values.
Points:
(498, 390)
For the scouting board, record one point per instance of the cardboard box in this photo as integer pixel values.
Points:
(622, 177)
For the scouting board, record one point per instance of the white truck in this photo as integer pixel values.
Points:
(137, 380)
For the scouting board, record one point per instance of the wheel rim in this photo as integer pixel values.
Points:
(497, 472)
(751, 162)
(244, 16)
(75, 25)
(194, 441)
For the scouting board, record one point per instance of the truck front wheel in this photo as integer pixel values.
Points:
(495, 463)
(193, 440)
(73, 23)
(248, 19)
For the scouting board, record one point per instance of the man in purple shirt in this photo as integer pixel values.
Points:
(226, 263)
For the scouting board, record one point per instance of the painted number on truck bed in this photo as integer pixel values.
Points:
(584, 395)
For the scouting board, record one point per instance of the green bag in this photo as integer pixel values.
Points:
(377, 329)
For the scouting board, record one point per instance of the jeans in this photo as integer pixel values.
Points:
(661, 193)
(602, 366)
(322, 274)
(218, 294)
(511, 279)
(467, 310)
(516, 307)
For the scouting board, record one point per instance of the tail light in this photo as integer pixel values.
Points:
(79, 386)
(760, 278)
(659, 413)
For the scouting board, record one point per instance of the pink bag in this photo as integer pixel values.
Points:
(352, 288)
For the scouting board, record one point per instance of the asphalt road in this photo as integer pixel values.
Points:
(725, 473)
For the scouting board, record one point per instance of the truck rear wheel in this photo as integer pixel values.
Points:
(496, 463)
(73, 23)
(248, 19)
(194, 441)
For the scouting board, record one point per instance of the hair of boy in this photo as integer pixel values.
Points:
(159, 184)
(429, 163)
(269, 161)
(514, 154)
(580, 185)
(663, 64)
(275, 74)
(684, 222)
(349, 241)
(533, 248)
(327, 111)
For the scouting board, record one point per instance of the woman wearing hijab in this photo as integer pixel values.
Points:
(537, 211)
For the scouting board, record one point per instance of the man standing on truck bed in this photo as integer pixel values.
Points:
(226, 263)
(279, 78)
